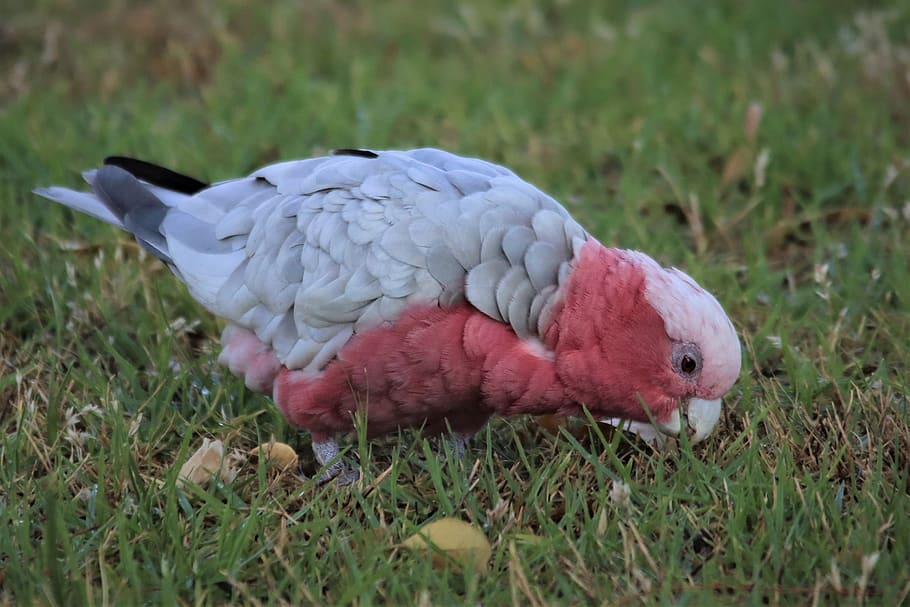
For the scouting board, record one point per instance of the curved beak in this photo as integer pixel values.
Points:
(700, 417)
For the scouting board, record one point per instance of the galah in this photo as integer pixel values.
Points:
(423, 289)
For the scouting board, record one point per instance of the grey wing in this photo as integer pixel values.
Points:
(514, 243)
(307, 253)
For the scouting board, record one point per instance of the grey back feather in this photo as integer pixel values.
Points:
(307, 253)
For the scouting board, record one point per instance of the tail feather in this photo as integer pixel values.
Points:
(120, 199)
(138, 209)
(84, 202)
(169, 197)
(157, 175)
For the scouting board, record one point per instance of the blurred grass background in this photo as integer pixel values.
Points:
(762, 146)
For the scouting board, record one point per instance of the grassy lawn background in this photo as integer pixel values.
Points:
(762, 146)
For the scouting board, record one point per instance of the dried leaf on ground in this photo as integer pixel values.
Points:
(279, 453)
(460, 541)
(550, 423)
(207, 461)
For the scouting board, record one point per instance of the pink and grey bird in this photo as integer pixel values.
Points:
(423, 289)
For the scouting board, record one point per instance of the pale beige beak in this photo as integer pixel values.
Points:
(700, 418)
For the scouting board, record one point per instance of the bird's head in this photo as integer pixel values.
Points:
(638, 342)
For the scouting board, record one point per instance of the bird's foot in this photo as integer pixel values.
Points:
(454, 443)
(335, 468)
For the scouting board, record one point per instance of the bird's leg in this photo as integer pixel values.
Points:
(455, 443)
(327, 453)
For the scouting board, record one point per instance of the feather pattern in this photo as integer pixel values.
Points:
(307, 253)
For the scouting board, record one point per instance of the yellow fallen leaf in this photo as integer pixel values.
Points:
(279, 453)
(462, 542)
(550, 423)
(207, 461)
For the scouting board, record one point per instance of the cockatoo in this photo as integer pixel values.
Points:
(423, 289)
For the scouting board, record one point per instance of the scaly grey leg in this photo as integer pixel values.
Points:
(326, 451)
(455, 443)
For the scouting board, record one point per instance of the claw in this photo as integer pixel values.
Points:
(343, 475)
(328, 455)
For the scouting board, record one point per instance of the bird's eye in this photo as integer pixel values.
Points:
(686, 360)
(687, 365)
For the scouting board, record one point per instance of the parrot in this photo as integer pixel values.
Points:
(419, 288)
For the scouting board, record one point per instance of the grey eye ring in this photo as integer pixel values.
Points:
(686, 360)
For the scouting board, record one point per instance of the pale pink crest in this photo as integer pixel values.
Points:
(691, 314)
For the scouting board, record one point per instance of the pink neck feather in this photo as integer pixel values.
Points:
(610, 343)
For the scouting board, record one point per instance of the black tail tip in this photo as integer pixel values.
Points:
(157, 175)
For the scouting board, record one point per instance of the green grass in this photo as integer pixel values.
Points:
(634, 117)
